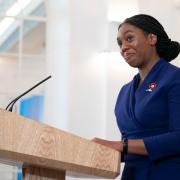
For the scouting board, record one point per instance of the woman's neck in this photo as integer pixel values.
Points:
(143, 71)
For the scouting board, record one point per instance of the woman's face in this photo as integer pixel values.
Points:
(135, 45)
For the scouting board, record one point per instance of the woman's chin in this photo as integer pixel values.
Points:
(132, 63)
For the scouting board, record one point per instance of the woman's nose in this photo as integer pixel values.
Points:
(124, 47)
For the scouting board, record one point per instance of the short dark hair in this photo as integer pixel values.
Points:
(165, 47)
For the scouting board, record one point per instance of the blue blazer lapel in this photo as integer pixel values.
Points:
(132, 99)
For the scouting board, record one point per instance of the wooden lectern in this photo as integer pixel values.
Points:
(48, 153)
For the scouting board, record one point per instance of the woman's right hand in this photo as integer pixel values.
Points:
(117, 145)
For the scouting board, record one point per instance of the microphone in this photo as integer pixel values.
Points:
(11, 104)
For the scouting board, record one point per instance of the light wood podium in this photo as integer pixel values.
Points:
(48, 153)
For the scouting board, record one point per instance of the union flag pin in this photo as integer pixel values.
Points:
(152, 86)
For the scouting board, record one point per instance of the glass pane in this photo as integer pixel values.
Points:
(33, 68)
(8, 77)
(17, 78)
(32, 71)
(26, 7)
(5, 5)
(34, 38)
(9, 35)
(10, 172)
(35, 8)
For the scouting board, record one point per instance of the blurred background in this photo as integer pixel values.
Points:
(75, 42)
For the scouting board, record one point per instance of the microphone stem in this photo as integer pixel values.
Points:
(13, 102)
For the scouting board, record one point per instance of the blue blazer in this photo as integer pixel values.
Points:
(152, 112)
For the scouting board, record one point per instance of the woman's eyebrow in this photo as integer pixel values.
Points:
(128, 31)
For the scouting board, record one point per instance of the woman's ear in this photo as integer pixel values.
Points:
(153, 39)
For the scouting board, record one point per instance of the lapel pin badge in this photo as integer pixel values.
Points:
(151, 87)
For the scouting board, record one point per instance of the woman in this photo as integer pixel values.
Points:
(148, 108)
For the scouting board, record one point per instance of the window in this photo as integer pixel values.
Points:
(22, 46)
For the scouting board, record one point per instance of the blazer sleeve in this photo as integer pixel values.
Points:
(168, 144)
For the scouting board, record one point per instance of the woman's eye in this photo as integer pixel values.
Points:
(129, 39)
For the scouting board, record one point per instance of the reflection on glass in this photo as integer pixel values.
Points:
(24, 7)
(37, 9)
(9, 35)
(34, 38)
(27, 39)
(5, 5)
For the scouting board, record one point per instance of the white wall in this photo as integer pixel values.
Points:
(168, 13)
(74, 36)
(87, 92)
(58, 53)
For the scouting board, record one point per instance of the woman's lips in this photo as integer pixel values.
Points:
(127, 56)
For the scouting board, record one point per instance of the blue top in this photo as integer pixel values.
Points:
(152, 112)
